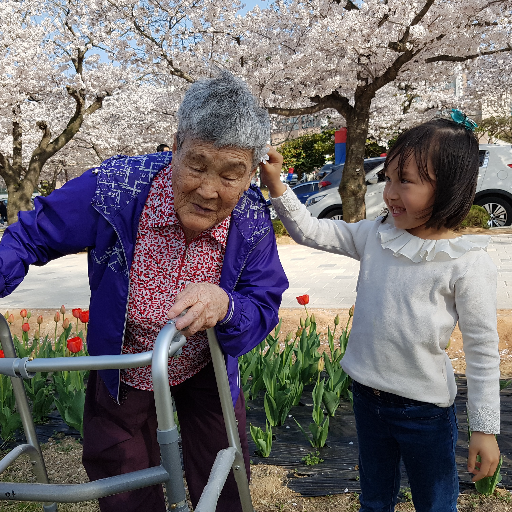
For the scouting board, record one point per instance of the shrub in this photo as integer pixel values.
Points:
(476, 218)
(279, 229)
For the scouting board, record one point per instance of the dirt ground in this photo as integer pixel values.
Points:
(268, 487)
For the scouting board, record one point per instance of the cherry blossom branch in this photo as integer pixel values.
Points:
(464, 58)
(334, 100)
(173, 70)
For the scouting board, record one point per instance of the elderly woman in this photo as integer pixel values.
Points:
(163, 237)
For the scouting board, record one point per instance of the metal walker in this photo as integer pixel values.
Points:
(169, 473)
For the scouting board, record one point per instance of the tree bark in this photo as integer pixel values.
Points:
(21, 182)
(352, 188)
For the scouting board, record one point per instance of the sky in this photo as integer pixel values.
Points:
(250, 4)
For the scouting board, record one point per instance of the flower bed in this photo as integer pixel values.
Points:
(277, 377)
(47, 391)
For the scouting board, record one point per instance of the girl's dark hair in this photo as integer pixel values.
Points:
(451, 151)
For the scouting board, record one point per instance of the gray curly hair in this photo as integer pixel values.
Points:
(223, 110)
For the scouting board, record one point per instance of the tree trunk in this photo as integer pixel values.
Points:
(353, 184)
(20, 190)
(20, 184)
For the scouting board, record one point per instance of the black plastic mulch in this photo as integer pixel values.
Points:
(338, 473)
(54, 426)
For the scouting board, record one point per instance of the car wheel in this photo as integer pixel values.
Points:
(336, 214)
(499, 210)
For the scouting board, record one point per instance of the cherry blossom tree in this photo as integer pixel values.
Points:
(51, 80)
(92, 78)
(380, 64)
(305, 56)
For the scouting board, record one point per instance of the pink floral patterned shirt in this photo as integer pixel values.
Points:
(163, 264)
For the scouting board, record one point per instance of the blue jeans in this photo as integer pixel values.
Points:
(390, 427)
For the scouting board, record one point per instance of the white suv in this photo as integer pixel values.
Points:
(494, 190)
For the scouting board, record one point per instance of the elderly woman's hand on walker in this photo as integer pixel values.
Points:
(207, 304)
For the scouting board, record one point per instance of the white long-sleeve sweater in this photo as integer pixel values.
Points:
(410, 294)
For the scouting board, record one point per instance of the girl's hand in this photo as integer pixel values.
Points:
(271, 173)
(486, 446)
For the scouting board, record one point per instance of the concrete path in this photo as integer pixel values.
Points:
(328, 279)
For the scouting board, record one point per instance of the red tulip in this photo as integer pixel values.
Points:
(63, 309)
(26, 327)
(65, 323)
(76, 312)
(2, 353)
(56, 317)
(11, 318)
(303, 300)
(39, 319)
(84, 316)
(23, 313)
(75, 344)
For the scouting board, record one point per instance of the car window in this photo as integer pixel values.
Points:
(371, 164)
(301, 189)
(483, 156)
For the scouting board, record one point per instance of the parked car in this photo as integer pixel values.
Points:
(494, 186)
(327, 203)
(302, 190)
(494, 189)
(305, 190)
(334, 178)
(324, 171)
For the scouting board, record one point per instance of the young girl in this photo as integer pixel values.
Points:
(417, 279)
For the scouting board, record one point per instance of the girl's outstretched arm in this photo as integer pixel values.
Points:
(486, 446)
(271, 173)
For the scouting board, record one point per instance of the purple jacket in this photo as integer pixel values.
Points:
(100, 211)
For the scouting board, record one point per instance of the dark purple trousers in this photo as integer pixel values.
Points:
(120, 438)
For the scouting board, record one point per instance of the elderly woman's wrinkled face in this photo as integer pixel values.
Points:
(207, 182)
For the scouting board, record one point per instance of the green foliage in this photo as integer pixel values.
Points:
(279, 228)
(311, 151)
(71, 398)
(496, 127)
(45, 187)
(320, 426)
(312, 458)
(504, 384)
(10, 419)
(307, 152)
(40, 392)
(487, 485)
(373, 149)
(262, 439)
(283, 369)
(406, 494)
(46, 390)
(477, 217)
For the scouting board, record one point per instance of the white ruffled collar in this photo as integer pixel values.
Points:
(402, 243)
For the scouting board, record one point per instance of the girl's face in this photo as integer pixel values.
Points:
(409, 198)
